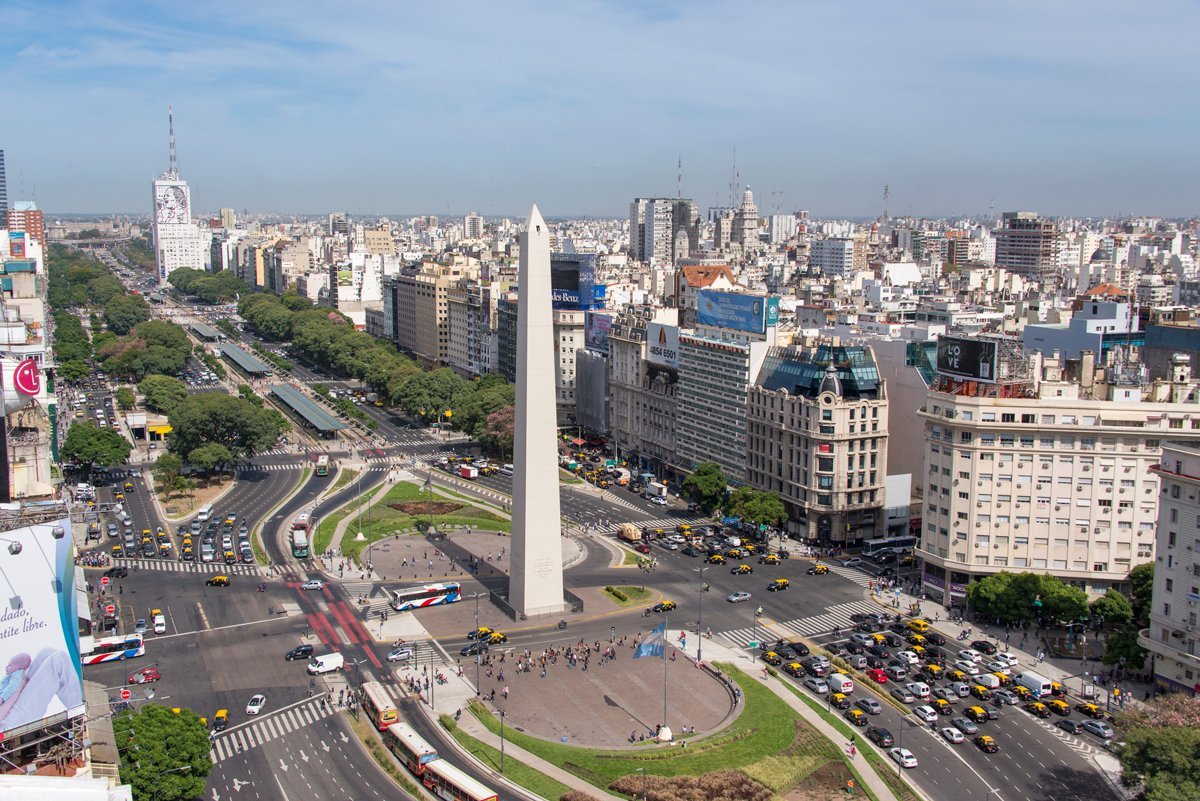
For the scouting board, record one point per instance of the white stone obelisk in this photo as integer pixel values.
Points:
(535, 584)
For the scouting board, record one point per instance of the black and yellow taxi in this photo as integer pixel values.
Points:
(942, 706)
(1037, 709)
(1021, 691)
(772, 658)
(219, 580)
(220, 720)
(664, 606)
(1004, 679)
(118, 551)
(1059, 707)
(778, 585)
(794, 669)
(933, 671)
(1057, 690)
(1091, 710)
(129, 486)
(684, 528)
(479, 633)
(118, 496)
(768, 559)
(916, 639)
(715, 559)
(980, 692)
(856, 716)
(735, 553)
(742, 570)
(976, 714)
(495, 638)
(987, 744)
(186, 554)
(956, 675)
(839, 701)
(749, 549)
(818, 570)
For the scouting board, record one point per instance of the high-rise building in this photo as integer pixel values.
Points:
(228, 219)
(1172, 635)
(817, 433)
(473, 226)
(831, 257)
(1027, 244)
(658, 226)
(26, 216)
(3, 194)
(783, 228)
(178, 242)
(643, 379)
(745, 222)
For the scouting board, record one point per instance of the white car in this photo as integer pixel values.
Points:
(953, 735)
(256, 704)
(659, 500)
(1006, 658)
(974, 656)
(968, 667)
(904, 757)
(926, 713)
(313, 584)
(670, 546)
(678, 539)
(996, 666)
(909, 657)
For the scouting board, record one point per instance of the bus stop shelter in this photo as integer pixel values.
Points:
(247, 363)
(308, 413)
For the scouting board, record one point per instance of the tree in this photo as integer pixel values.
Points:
(124, 312)
(1114, 608)
(706, 486)
(162, 393)
(1161, 740)
(1122, 648)
(1141, 581)
(210, 457)
(167, 468)
(498, 430)
(72, 370)
(757, 507)
(88, 445)
(155, 743)
(125, 398)
(1025, 596)
(215, 417)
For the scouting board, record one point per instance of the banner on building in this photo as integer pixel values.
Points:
(967, 357)
(16, 244)
(345, 278)
(750, 313)
(662, 344)
(39, 628)
(27, 378)
(595, 331)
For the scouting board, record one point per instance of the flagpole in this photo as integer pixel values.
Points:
(666, 635)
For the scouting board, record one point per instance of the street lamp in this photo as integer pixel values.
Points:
(501, 740)
(700, 620)
(179, 769)
(643, 772)
(478, 656)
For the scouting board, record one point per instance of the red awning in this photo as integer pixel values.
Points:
(578, 441)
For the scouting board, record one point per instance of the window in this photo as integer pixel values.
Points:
(1047, 419)
(1008, 417)
(964, 436)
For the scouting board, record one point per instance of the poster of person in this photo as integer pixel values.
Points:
(40, 671)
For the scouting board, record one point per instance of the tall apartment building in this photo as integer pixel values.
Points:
(783, 228)
(178, 242)
(658, 227)
(643, 383)
(1175, 609)
(472, 348)
(415, 309)
(472, 226)
(1027, 244)
(3, 194)
(817, 433)
(831, 257)
(24, 215)
(1043, 465)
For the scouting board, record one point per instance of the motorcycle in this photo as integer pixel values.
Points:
(704, 588)
(262, 587)
(562, 624)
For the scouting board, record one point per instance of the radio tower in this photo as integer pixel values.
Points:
(173, 168)
(679, 179)
(887, 193)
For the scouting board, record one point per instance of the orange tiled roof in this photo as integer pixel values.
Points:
(700, 276)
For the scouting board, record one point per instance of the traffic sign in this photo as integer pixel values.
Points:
(126, 695)
(110, 610)
(104, 581)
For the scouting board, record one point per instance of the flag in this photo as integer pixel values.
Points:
(654, 643)
(428, 483)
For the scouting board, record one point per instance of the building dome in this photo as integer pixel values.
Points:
(831, 382)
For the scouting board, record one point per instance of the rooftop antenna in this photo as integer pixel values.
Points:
(887, 194)
(733, 184)
(679, 179)
(173, 169)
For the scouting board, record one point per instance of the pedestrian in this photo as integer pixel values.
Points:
(505, 692)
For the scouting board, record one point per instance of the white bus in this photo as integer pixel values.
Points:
(888, 545)
(404, 600)
(112, 649)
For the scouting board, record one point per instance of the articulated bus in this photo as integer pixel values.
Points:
(323, 464)
(113, 649)
(429, 595)
(409, 747)
(379, 705)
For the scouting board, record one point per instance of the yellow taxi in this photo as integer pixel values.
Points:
(818, 570)
(981, 692)
(716, 559)
(1021, 691)
(118, 551)
(935, 671)
(987, 744)
(768, 559)
(1091, 710)
(918, 625)
(839, 701)
(219, 580)
(129, 486)
(220, 720)
(794, 669)
(957, 675)
(734, 553)
(916, 639)
(742, 570)
(684, 529)
(942, 706)
(772, 658)
(1059, 707)
(856, 716)
(749, 549)
(1037, 709)
(1004, 679)
(778, 585)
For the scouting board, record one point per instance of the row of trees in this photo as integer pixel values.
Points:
(76, 279)
(221, 287)
(154, 347)
(708, 488)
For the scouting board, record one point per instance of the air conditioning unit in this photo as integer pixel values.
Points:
(978, 524)
(956, 482)
(1087, 469)
(1096, 530)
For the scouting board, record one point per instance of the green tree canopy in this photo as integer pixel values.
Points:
(707, 486)
(1025, 596)
(215, 417)
(220, 287)
(162, 393)
(210, 457)
(123, 313)
(125, 398)
(88, 445)
(1141, 581)
(164, 755)
(1162, 739)
(757, 507)
(1114, 607)
(428, 395)
(166, 468)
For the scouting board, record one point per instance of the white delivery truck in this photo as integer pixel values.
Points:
(1036, 683)
(656, 490)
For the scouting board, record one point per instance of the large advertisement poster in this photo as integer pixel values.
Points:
(39, 635)
(345, 278)
(662, 344)
(595, 331)
(572, 280)
(749, 313)
(964, 357)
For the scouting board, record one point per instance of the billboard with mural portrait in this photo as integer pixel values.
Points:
(753, 314)
(595, 331)
(40, 670)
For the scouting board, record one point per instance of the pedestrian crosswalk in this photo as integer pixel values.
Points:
(269, 727)
(835, 616)
(665, 523)
(175, 566)
(373, 464)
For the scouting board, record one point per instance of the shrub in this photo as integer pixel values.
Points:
(720, 785)
(614, 592)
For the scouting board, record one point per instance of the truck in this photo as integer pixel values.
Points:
(656, 490)
(373, 398)
(469, 471)
(629, 532)
(299, 536)
(1036, 683)
(621, 476)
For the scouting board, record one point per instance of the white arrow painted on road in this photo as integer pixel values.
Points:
(238, 785)
(282, 765)
(345, 739)
(216, 795)
(303, 756)
(325, 746)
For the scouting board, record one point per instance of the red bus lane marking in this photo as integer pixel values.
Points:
(354, 630)
(322, 629)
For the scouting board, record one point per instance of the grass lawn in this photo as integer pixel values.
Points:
(535, 781)
(633, 595)
(382, 521)
(327, 526)
(344, 477)
(768, 740)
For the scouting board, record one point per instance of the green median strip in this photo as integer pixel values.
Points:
(515, 771)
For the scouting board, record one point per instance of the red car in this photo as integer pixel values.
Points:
(144, 676)
(878, 675)
(642, 547)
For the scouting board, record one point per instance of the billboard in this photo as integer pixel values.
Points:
(969, 358)
(753, 314)
(662, 344)
(39, 627)
(345, 278)
(573, 281)
(16, 244)
(595, 331)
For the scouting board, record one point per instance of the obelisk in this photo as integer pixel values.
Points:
(535, 583)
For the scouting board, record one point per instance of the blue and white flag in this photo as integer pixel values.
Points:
(654, 643)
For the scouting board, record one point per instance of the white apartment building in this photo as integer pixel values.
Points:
(1175, 610)
(472, 346)
(1053, 478)
(831, 257)
(643, 408)
(568, 338)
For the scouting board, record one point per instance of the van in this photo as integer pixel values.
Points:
(506, 470)
(988, 680)
(1036, 683)
(918, 625)
(856, 661)
(204, 514)
(841, 683)
(733, 542)
(326, 663)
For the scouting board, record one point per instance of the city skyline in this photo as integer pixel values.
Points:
(386, 109)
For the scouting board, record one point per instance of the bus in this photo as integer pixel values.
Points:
(113, 649)
(887, 545)
(323, 464)
(298, 537)
(410, 598)
(379, 705)
(451, 784)
(409, 747)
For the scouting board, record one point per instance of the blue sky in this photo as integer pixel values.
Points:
(405, 107)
